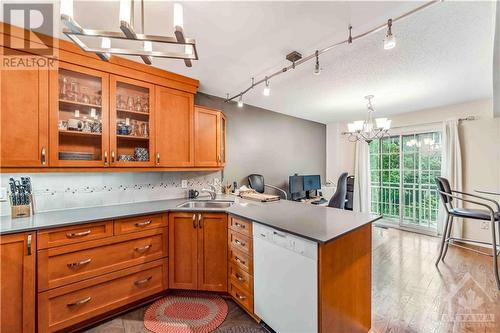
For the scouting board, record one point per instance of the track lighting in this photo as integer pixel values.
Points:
(317, 69)
(267, 89)
(390, 40)
(240, 101)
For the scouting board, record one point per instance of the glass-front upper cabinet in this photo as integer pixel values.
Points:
(131, 122)
(78, 117)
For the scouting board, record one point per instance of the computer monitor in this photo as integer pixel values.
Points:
(312, 182)
(295, 184)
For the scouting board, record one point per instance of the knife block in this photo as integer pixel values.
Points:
(20, 211)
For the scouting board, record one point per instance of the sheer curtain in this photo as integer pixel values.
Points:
(362, 194)
(451, 168)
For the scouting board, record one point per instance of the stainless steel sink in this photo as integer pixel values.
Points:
(205, 204)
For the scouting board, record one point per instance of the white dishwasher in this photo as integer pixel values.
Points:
(285, 280)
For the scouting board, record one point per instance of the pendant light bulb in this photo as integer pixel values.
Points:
(178, 16)
(240, 101)
(267, 89)
(125, 7)
(67, 8)
(317, 69)
(389, 40)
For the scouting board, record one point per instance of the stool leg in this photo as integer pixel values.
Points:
(447, 242)
(495, 253)
(445, 232)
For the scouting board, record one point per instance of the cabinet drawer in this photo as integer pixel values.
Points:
(240, 225)
(240, 242)
(63, 307)
(134, 224)
(244, 298)
(74, 234)
(240, 278)
(241, 260)
(72, 263)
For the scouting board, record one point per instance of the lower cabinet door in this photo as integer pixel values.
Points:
(17, 283)
(182, 250)
(66, 306)
(212, 252)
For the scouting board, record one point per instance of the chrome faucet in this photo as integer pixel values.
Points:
(212, 191)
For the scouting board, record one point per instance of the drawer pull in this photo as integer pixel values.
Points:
(241, 226)
(143, 224)
(239, 277)
(80, 302)
(240, 243)
(138, 283)
(79, 263)
(239, 260)
(78, 234)
(240, 297)
(143, 248)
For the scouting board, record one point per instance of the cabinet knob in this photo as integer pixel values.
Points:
(43, 155)
(157, 158)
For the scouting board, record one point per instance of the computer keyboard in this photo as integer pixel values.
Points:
(319, 202)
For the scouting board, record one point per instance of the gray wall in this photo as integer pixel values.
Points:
(269, 143)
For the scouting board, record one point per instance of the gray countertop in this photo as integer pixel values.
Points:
(320, 224)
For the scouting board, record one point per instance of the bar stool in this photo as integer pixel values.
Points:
(488, 214)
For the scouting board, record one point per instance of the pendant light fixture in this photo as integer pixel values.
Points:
(144, 46)
(368, 130)
(390, 40)
(240, 101)
(267, 89)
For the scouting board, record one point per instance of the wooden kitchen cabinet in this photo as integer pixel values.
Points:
(79, 118)
(198, 251)
(132, 122)
(222, 146)
(206, 136)
(174, 128)
(24, 118)
(17, 283)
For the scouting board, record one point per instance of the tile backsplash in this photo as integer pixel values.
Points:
(56, 191)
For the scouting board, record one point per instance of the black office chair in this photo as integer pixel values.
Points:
(488, 214)
(257, 183)
(338, 198)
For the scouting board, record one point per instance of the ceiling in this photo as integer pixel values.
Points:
(443, 54)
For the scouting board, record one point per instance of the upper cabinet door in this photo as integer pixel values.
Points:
(174, 128)
(24, 118)
(79, 118)
(132, 122)
(206, 148)
(221, 129)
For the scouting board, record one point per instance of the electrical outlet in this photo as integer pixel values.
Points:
(3, 194)
(485, 225)
(184, 183)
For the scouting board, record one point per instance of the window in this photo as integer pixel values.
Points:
(403, 172)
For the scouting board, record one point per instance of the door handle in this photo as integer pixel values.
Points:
(239, 277)
(241, 226)
(194, 221)
(143, 248)
(239, 260)
(79, 263)
(240, 297)
(138, 283)
(106, 157)
(28, 245)
(143, 224)
(200, 223)
(112, 156)
(240, 243)
(80, 302)
(78, 234)
(43, 156)
(157, 158)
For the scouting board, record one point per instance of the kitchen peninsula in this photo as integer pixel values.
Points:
(343, 241)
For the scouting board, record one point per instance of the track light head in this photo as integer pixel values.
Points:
(317, 69)
(389, 40)
(240, 101)
(267, 89)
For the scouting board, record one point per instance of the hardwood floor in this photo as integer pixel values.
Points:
(409, 293)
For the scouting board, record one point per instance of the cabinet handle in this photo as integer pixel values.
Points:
(44, 156)
(157, 158)
(79, 263)
(143, 248)
(194, 221)
(143, 224)
(241, 226)
(112, 156)
(218, 158)
(200, 219)
(240, 243)
(240, 297)
(239, 260)
(78, 234)
(138, 283)
(106, 157)
(28, 245)
(80, 302)
(239, 277)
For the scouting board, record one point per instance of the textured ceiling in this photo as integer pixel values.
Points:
(443, 54)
